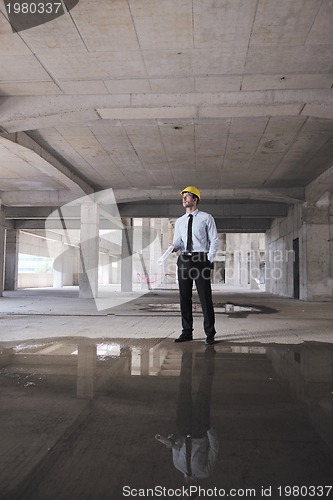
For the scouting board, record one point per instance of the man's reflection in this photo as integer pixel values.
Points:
(194, 445)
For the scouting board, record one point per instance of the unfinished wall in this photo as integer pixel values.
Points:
(312, 223)
(279, 252)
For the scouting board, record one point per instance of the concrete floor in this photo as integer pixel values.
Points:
(85, 391)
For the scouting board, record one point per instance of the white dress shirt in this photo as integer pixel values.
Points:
(203, 455)
(204, 234)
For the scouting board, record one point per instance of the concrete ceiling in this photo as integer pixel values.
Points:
(146, 97)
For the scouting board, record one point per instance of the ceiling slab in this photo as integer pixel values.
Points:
(234, 96)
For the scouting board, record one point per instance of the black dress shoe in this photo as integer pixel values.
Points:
(183, 338)
(209, 341)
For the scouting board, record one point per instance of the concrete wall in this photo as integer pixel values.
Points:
(280, 255)
(34, 280)
(2, 247)
(312, 224)
(32, 244)
(244, 255)
(66, 266)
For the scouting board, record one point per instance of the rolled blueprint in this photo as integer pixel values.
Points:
(166, 254)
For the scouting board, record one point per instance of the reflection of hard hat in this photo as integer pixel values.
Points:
(192, 190)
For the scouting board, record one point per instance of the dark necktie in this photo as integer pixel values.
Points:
(188, 448)
(189, 234)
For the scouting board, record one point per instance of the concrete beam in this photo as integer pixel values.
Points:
(55, 168)
(30, 212)
(234, 224)
(151, 209)
(136, 106)
(242, 225)
(227, 210)
(55, 199)
(320, 186)
(285, 195)
(24, 217)
(56, 224)
(31, 198)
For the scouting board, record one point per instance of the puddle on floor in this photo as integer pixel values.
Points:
(227, 308)
(83, 418)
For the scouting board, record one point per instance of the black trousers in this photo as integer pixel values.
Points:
(193, 409)
(195, 268)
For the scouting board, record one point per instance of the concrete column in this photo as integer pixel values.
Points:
(155, 268)
(86, 368)
(89, 235)
(104, 274)
(254, 262)
(230, 260)
(65, 267)
(244, 248)
(317, 266)
(234, 266)
(71, 266)
(218, 274)
(126, 255)
(146, 254)
(11, 260)
(145, 362)
(2, 247)
(156, 359)
(311, 224)
(166, 238)
(114, 270)
(58, 267)
(126, 355)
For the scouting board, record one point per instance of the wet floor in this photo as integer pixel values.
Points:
(234, 310)
(99, 419)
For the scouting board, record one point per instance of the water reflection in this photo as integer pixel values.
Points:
(194, 445)
(79, 416)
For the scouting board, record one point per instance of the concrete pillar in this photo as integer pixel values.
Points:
(65, 268)
(254, 262)
(89, 254)
(114, 265)
(166, 268)
(310, 225)
(317, 265)
(145, 362)
(233, 276)
(146, 254)
(244, 248)
(126, 355)
(86, 368)
(156, 251)
(58, 267)
(218, 275)
(2, 247)
(156, 359)
(229, 260)
(71, 266)
(126, 255)
(104, 272)
(11, 259)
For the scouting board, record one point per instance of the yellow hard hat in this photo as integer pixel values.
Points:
(191, 189)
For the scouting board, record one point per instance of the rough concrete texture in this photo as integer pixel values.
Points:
(84, 393)
(270, 407)
(231, 95)
(156, 315)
